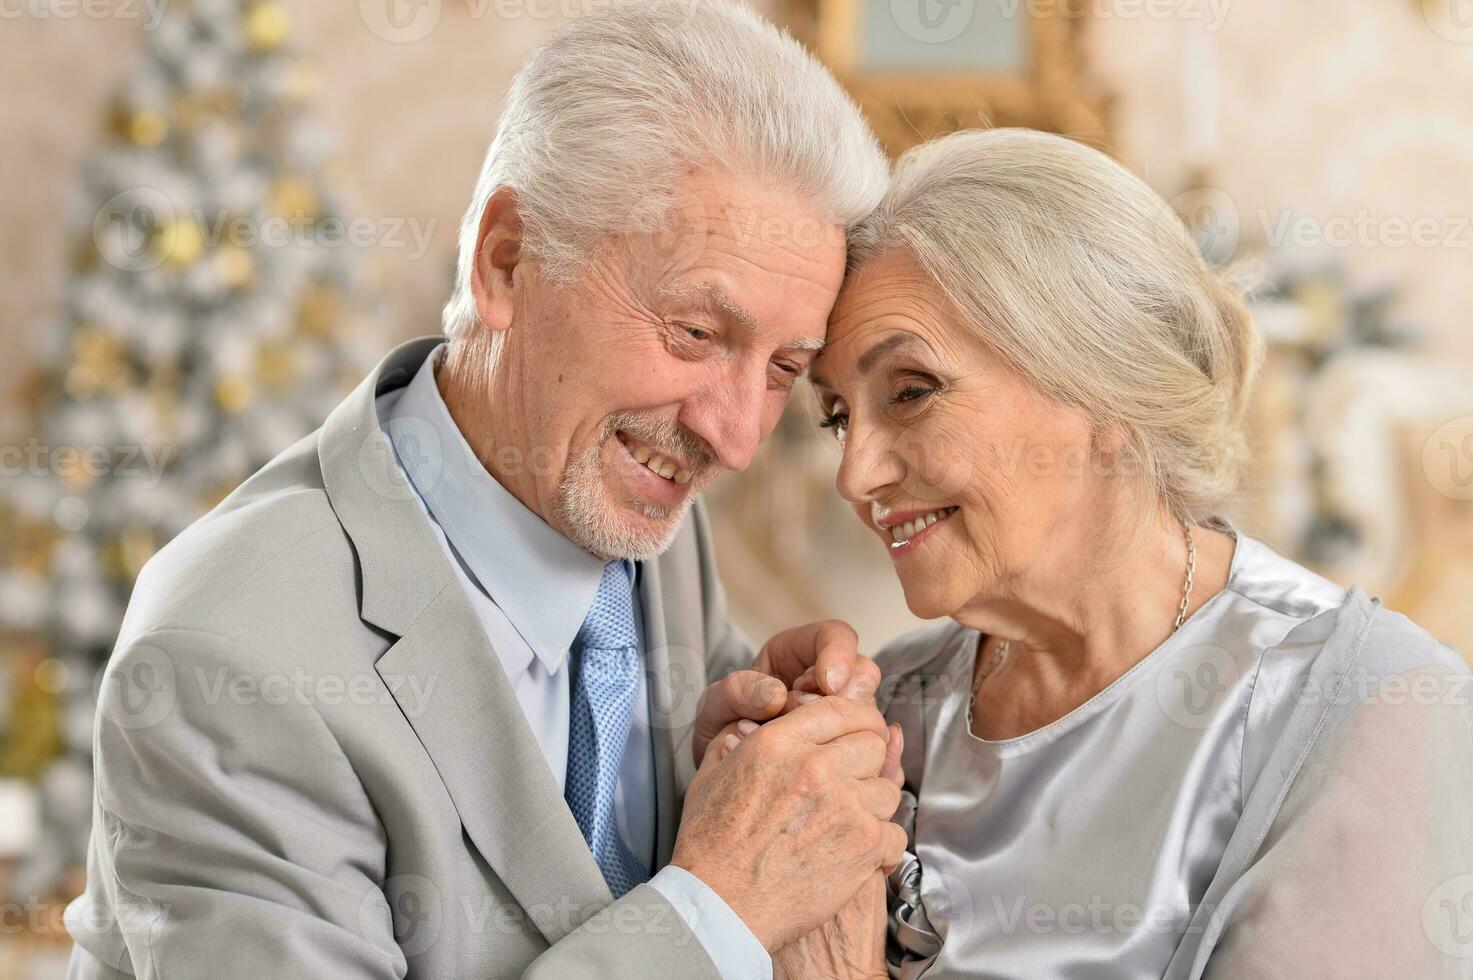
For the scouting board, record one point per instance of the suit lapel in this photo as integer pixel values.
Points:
(675, 668)
(443, 672)
(449, 683)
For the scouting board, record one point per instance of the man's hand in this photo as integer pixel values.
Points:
(822, 658)
(788, 822)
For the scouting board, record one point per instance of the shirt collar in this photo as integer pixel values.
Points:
(541, 580)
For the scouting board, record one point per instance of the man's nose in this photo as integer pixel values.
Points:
(732, 417)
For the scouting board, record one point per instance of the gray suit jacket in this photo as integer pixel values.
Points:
(309, 762)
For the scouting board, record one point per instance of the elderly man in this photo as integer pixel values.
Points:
(420, 697)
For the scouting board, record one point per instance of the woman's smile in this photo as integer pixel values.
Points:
(908, 529)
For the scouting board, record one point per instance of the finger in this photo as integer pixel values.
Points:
(724, 744)
(879, 797)
(821, 720)
(807, 682)
(858, 755)
(830, 646)
(891, 850)
(864, 680)
(891, 770)
(743, 694)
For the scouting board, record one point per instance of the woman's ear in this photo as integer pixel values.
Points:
(1110, 444)
(498, 253)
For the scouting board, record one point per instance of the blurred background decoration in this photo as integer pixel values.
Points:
(188, 295)
(199, 331)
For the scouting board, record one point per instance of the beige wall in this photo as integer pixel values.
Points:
(1348, 112)
(1356, 114)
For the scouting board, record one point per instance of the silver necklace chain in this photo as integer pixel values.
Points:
(1000, 653)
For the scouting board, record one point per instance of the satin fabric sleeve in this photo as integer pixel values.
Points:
(1366, 869)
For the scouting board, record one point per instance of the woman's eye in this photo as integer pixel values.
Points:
(911, 393)
(836, 418)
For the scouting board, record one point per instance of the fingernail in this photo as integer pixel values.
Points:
(732, 742)
(836, 677)
(805, 698)
(746, 726)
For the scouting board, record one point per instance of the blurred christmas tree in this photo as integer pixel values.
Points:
(211, 317)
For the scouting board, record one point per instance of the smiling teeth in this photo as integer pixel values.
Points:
(658, 464)
(902, 533)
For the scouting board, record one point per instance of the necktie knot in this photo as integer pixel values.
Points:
(609, 625)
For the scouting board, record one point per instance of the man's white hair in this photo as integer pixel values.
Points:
(603, 118)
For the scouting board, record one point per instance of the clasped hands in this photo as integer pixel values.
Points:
(788, 817)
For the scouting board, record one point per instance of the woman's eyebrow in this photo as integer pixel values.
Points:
(868, 358)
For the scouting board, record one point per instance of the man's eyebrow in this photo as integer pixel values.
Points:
(715, 297)
(806, 343)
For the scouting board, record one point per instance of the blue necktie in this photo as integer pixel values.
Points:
(602, 707)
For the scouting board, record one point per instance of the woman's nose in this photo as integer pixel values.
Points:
(869, 464)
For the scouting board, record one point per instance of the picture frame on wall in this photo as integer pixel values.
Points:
(923, 68)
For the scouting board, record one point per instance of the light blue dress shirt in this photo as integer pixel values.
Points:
(531, 587)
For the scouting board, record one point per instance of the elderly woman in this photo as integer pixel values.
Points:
(1142, 744)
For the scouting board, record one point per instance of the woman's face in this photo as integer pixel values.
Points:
(974, 481)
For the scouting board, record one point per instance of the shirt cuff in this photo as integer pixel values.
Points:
(737, 953)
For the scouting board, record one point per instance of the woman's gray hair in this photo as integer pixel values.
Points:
(1085, 281)
(602, 119)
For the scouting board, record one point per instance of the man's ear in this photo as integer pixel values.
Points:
(498, 253)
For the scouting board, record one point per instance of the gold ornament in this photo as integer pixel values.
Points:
(147, 127)
(276, 365)
(319, 312)
(234, 266)
(125, 554)
(180, 242)
(1322, 306)
(267, 25)
(32, 547)
(294, 199)
(99, 363)
(233, 392)
(52, 675)
(34, 736)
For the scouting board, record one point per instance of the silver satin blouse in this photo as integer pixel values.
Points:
(1284, 788)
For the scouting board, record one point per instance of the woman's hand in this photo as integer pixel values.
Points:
(850, 946)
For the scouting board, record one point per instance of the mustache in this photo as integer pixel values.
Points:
(666, 436)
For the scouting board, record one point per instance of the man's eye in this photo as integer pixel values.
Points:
(696, 333)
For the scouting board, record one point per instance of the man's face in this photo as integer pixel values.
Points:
(670, 358)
